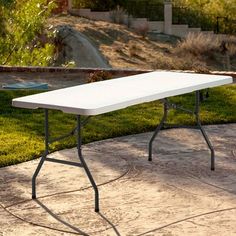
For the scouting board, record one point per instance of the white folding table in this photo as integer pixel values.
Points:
(106, 96)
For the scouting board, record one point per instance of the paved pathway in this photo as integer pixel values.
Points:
(176, 194)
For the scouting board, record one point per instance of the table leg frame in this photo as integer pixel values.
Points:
(79, 143)
(43, 158)
(196, 112)
(82, 164)
(197, 116)
(157, 130)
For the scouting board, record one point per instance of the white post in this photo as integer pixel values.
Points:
(168, 17)
(69, 5)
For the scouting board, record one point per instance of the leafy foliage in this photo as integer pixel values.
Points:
(24, 40)
(214, 7)
(208, 12)
(6, 3)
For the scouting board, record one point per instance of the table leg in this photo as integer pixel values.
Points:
(43, 158)
(79, 142)
(167, 106)
(158, 129)
(82, 164)
(197, 108)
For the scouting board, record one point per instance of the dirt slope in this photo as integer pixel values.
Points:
(121, 46)
(124, 48)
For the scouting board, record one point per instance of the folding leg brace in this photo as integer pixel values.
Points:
(81, 164)
(168, 106)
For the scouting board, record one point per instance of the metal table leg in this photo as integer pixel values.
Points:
(82, 164)
(43, 158)
(197, 108)
(157, 130)
(167, 106)
(79, 141)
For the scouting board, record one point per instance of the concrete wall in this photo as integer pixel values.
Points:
(56, 77)
(136, 23)
(165, 26)
(168, 17)
(194, 30)
(156, 26)
(59, 77)
(55, 72)
(104, 16)
(93, 15)
(180, 30)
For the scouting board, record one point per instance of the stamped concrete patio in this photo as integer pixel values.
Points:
(176, 194)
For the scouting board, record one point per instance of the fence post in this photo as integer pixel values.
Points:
(69, 5)
(167, 17)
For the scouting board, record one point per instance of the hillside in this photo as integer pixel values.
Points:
(124, 48)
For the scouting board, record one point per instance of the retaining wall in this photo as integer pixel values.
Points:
(138, 23)
(58, 77)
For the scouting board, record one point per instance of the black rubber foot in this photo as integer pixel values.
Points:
(33, 197)
(96, 210)
(213, 169)
(149, 159)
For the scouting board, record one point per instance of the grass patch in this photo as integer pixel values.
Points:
(22, 130)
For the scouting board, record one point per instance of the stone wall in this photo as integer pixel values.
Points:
(55, 77)
(180, 30)
(59, 77)
(156, 26)
(93, 15)
(165, 26)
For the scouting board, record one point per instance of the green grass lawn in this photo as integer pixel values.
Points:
(22, 130)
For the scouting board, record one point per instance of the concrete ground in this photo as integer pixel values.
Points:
(176, 194)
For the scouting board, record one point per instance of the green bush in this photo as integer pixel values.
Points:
(151, 9)
(207, 14)
(24, 28)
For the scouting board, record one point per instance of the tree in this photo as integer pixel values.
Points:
(214, 7)
(24, 22)
(4, 5)
(210, 10)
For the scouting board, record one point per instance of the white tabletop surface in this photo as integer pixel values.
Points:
(101, 97)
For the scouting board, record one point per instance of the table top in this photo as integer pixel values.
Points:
(105, 96)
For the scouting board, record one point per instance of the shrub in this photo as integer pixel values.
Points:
(231, 46)
(143, 29)
(99, 76)
(199, 44)
(118, 15)
(133, 49)
(163, 62)
(221, 48)
(25, 40)
(69, 64)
